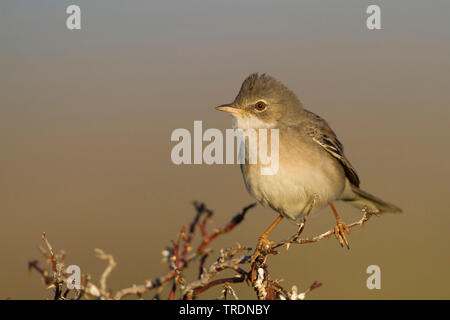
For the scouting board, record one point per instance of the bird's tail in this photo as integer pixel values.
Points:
(363, 199)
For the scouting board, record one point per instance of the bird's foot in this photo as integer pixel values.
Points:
(339, 231)
(263, 245)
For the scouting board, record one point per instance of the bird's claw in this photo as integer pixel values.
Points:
(263, 245)
(339, 231)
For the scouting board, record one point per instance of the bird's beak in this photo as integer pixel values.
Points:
(230, 109)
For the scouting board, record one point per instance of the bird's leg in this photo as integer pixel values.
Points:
(262, 242)
(340, 229)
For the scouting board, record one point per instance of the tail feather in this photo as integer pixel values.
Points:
(363, 199)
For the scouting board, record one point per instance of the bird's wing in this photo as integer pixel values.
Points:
(321, 133)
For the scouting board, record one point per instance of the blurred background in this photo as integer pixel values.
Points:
(86, 117)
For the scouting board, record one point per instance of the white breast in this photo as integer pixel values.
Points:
(307, 175)
(299, 184)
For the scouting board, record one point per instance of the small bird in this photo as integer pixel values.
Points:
(313, 171)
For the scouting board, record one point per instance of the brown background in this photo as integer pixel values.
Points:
(86, 118)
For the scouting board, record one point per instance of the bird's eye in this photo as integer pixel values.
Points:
(260, 106)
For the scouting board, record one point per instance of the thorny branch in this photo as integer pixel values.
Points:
(179, 255)
(295, 239)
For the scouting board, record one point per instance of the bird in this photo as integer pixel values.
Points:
(313, 171)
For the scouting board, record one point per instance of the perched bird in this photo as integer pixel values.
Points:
(312, 171)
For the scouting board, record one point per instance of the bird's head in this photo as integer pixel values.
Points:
(262, 102)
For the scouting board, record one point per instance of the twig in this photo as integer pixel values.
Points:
(198, 286)
(183, 260)
(111, 265)
(297, 240)
(230, 226)
(57, 270)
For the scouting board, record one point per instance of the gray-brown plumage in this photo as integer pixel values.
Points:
(313, 170)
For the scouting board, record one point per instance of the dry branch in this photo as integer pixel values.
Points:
(180, 255)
